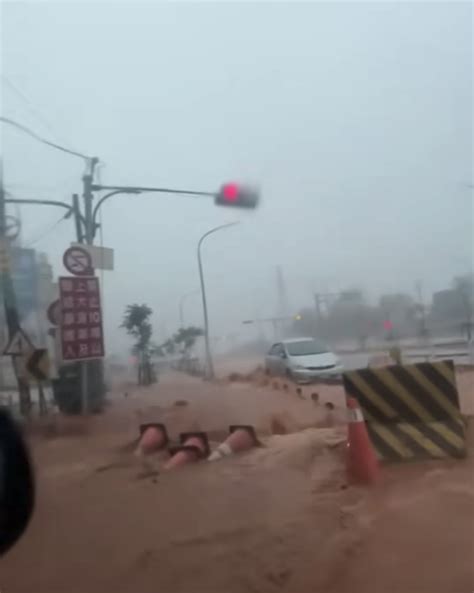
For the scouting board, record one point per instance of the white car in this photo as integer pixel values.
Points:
(303, 359)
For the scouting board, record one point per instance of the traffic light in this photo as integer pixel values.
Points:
(237, 195)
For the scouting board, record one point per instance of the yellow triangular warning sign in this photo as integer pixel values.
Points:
(18, 344)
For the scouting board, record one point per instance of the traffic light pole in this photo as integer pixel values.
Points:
(86, 224)
(87, 237)
(88, 180)
(9, 299)
(231, 194)
(77, 217)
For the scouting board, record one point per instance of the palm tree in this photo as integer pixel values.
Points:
(136, 322)
(181, 343)
(186, 338)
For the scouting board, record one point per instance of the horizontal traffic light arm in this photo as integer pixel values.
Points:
(230, 194)
(126, 189)
(116, 189)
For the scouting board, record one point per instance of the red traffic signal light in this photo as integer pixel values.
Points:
(237, 195)
(230, 192)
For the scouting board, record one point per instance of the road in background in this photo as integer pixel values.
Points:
(460, 353)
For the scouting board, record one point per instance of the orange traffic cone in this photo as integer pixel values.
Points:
(194, 446)
(362, 464)
(241, 438)
(153, 437)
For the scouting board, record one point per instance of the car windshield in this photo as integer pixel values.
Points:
(307, 270)
(306, 347)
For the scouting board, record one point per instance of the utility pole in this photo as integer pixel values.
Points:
(77, 217)
(282, 305)
(323, 300)
(92, 372)
(421, 308)
(317, 302)
(88, 182)
(9, 300)
(274, 321)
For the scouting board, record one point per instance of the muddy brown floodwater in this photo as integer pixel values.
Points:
(278, 518)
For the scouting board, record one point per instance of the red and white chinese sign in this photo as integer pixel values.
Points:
(82, 336)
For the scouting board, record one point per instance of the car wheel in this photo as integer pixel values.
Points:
(289, 375)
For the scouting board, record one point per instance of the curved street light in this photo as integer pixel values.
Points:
(209, 363)
(90, 232)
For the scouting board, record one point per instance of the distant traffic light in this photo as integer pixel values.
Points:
(237, 195)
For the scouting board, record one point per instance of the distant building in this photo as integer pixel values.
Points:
(32, 277)
(351, 297)
(400, 311)
(396, 302)
(24, 270)
(448, 304)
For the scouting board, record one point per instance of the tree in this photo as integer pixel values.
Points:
(168, 347)
(137, 324)
(181, 343)
(186, 338)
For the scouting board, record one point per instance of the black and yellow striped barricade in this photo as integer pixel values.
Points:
(412, 411)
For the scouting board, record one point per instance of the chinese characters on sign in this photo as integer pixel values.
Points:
(81, 325)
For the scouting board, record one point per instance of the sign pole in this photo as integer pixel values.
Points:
(84, 388)
(81, 329)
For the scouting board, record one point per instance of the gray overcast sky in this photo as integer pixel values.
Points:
(355, 119)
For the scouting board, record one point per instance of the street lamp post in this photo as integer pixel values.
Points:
(209, 363)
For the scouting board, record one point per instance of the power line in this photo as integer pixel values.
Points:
(31, 107)
(43, 140)
(30, 187)
(47, 231)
